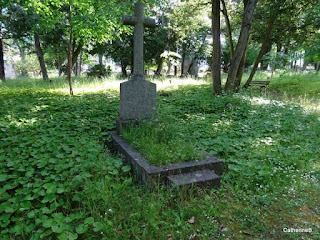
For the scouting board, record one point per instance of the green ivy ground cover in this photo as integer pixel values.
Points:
(57, 181)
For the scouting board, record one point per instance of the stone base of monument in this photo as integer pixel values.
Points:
(203, 173)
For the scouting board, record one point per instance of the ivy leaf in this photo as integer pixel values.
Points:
(81, 229)
(126, 168)
(4, 177)
(89, 220)
(48, 223)
(49, 198)
(51, 187)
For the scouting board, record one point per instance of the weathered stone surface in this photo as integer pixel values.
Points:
(137, 96)
(137, 100)
(197, 178)
(149, 174)
(139, 22)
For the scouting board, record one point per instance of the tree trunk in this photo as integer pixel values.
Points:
(2, 73)
(75, 54)
(59, 64)
(263, 64)
(240, 70)
(216, 56)
(76, 68)
(70, 51)
(317, 67)
(123, 69)
(169, 67)
(285, 61)
(40, 56)
(100, 59)
(228, 25)
(160, 66)
(80, 63)
(184, 49)
(175, 70)
(262, 50)
(241, 45)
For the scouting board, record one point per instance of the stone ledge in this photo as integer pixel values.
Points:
(148, 174)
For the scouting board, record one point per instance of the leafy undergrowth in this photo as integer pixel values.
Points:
(161, 143)
(57, 181)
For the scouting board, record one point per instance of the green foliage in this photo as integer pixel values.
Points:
(99, 71)
(57, 181)
(29, 66)
(165, 144)
(50, 146)
(190, 28)
(297, 85)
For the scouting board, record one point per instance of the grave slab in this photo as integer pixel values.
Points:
(151, 175)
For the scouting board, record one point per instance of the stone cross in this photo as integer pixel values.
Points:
(139, 22)
(138, 97)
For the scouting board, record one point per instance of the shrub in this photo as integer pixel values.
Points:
(30, 66)
(99, 71)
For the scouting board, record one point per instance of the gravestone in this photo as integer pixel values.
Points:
(138, 103)
(137, 96)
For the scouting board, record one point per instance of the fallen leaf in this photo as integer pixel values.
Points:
(191, 220)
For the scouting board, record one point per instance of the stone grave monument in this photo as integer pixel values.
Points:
(137, 104)
(137, 96)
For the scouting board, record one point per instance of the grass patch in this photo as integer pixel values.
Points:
(161, 143)
(297, 85)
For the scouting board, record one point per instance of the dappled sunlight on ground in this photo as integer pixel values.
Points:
(260, 101)
(173, 84)
(107, 84)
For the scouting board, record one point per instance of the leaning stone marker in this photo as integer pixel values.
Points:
(137, 96)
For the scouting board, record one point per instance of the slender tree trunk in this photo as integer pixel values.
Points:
(2, 73)
(175, 70)
(228, 25)
(100, 59)
(241, 45)
(184, 49)
(216, 56)
(80, 63)
(262, 50)
(263, 64)
(59, 64)
(40, 56)
(70, 51)
(160, 66)
(123, 69)
(76, 53)
(76, 68)
(285, 61)
(241, 70)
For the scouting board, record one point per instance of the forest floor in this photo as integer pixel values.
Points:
(58, 181)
